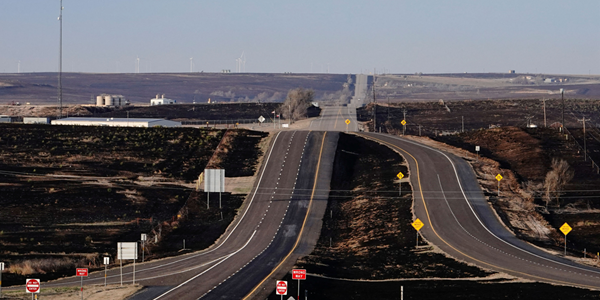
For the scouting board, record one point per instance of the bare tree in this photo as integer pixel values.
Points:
(556, 180)
(296, 103)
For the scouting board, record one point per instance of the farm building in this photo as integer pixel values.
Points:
(117, 122)
(161, 101)
(34, 120)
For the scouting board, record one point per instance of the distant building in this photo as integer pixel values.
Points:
(5, 119)
(111, 100)
(117, 122)
(549, 80)
(33, 120)
(161, 101)
(511, 71)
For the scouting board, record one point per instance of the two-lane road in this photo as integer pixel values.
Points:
(448, 199)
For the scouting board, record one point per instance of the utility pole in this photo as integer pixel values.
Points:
(463, 123)
(374, 106)
(388, 98)
(584, 142)
(544, 101)
(562, 93)
(404, 118)
(60, 65)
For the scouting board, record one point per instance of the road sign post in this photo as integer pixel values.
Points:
(498, 177)
(32, 286)
(143, 238)
(1, 270)
(261, 119)
(403, 126)
(400, 176)
(417, 224)
(565, 228)
(299, 274)
(106, 262)
(347, 123)
(477, 150)
(127, 251)
(81, 272)
(281, 288)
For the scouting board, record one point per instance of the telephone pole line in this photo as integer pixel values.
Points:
(584, 138)
(544, 101)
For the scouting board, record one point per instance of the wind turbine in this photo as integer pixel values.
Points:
(191, 64)
(243, 61)
(240, 63)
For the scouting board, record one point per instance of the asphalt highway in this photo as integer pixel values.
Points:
(333, 118)
(448, 199)
(276, 224)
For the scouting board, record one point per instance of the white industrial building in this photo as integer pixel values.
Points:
(117, 122)
(111, 100)
(161, 101)
(34, 120)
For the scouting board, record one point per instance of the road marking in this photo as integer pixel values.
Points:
(203, 272)
(336, 117)
(303, 223)
(465, 197)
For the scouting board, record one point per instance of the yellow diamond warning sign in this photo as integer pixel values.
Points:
(400, 175)
(498, 177)
(417, 224)
(403, 122)
(347, 121)
(565, 228)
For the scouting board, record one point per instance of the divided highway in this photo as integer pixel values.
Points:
(275, 225)
(448, 199)
(281, 221)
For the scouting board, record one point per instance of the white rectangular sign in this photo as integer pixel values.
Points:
(127, 250)
(144, 237)
(214, 180)
(477, 148)
(106, 260)
(1, 266)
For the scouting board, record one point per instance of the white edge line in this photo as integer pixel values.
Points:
(479, 220)
(202, 273)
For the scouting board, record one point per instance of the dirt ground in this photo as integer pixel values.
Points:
(112, 292)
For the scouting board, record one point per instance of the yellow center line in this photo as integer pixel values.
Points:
(303, 223)
(448, 244)
(336, 117)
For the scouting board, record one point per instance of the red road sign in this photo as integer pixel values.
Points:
(82, 272)
(299, 274)
(32, 285)
(281, 288)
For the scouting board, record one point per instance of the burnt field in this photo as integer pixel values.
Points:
(449, 117)
(367, 232)
(186, 88)
(69, 193)
(367, 246)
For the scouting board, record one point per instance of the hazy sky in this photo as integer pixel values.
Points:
(302, 36)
